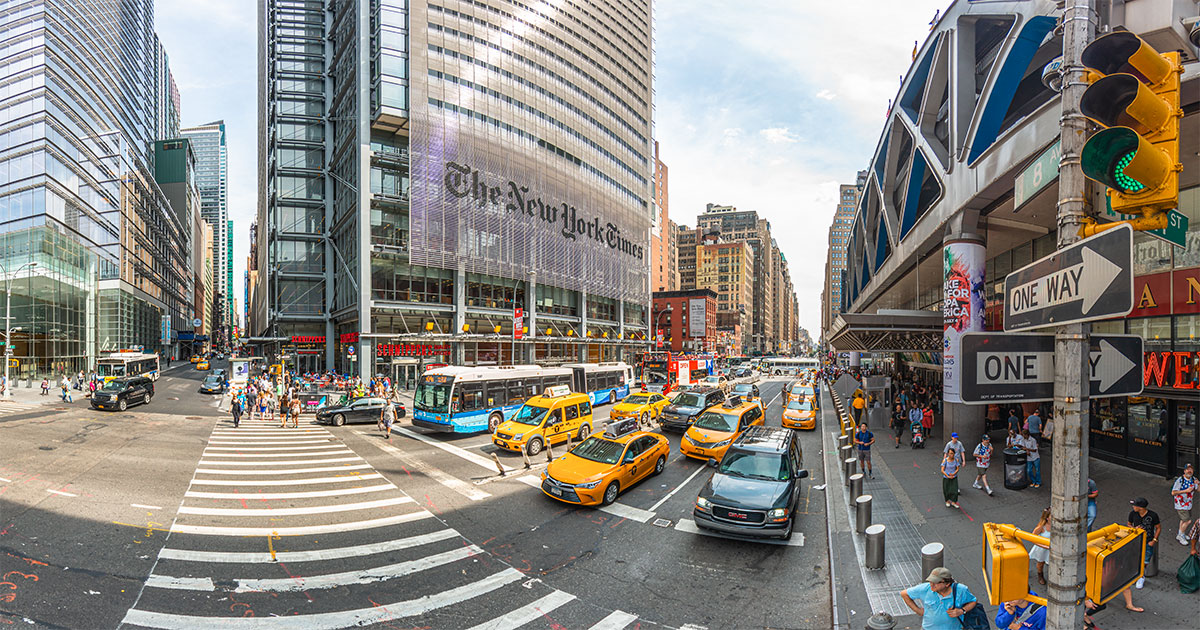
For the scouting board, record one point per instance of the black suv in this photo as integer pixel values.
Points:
(756, 486)
(686, 406)
(119, 393)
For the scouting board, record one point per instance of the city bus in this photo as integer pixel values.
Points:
(472, 399)
(664, 372)
(778, 366)
(127, 363)
(603, 382)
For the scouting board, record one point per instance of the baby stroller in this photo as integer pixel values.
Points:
(918, 436)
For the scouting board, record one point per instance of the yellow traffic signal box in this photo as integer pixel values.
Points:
(1116, 557)
(1005, 565)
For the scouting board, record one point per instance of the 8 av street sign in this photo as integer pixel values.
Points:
(1020, 367)
(1088, 280)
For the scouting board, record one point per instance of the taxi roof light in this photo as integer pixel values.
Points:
(621, 428)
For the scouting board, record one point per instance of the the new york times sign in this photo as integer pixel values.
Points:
(463, 181)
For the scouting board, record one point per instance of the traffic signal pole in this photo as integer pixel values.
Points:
(1066, 576)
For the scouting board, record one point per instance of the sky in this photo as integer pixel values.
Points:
(766, 105)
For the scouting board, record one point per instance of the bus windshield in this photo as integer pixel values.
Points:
(656, 376)
(434, 398)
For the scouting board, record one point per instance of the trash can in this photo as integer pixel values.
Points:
(1015, 475)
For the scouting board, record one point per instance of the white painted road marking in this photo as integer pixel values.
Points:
(654, 508)
(145, 507)
(474, 458)
(320, 447)
(65, 494)
(617, 620)
(454, 483)
(616, 509)
(306, 556)
(330, 620)
(343, 451)
(300, 531)
(315, 509)
(530, 612)
(284, 482)
(218, 471)
(689, 526)
(283, 462)
(287, 495)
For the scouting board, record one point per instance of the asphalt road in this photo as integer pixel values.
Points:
(177, 520)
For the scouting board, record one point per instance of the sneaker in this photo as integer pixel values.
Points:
(955, 505)
(947, 504)
(1140, 583)
(1181, 538)
(990, 493)
(977, 486)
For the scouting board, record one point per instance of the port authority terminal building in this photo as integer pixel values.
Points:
(962, 191)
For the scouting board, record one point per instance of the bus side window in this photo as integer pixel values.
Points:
(516, 392)
(533, 387)
(472, 397)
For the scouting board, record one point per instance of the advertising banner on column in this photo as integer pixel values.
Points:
(696, 318)
(962, 308)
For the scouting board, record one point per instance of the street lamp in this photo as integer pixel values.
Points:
(657, 325)
(8, 320)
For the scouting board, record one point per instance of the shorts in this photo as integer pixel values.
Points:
(864, 457)
(899, 431)
(981, 470)
(1184, 515)
(389, 421)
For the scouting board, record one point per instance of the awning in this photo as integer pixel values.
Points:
(887, 331)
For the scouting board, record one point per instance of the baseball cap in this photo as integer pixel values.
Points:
(1140, 502)
(939, 575)
(986, 437)
(953, 435)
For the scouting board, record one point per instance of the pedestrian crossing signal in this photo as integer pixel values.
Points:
(1116, 557)
(1005, 565)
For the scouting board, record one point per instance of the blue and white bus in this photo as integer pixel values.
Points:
(602, 382)
(473, 399)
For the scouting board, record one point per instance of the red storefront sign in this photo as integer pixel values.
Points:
(410, 350)
(518, 323)
(1171, 370)
(350, 337)
(308, 338)
(1168, 292)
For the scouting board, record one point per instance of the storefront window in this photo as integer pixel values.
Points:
(1148, 429)
(485, 291)
(1189, 205)
(1150, 255)
(1110, 327)
(1108, 425)
(1155, 330)
(557, 301)
(1185, 435)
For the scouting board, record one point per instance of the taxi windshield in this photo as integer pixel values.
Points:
(637, 399)
(598, 450)
(688, 400)
(530, 415)
(717, 421)
(796, 405)
(754, 466)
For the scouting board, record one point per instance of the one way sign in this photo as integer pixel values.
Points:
(1088, 280)
(1020, 367)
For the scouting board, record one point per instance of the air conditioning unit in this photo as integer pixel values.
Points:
(1161, 23)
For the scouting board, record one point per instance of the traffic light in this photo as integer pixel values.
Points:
(1136, 99)
(1116, 557)
(1005, 564)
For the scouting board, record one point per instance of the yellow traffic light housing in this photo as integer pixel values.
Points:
(1116, 557)
(1005, 564)
(1137, 100)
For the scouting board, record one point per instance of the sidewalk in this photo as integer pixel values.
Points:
(27, 396)
(913, 478)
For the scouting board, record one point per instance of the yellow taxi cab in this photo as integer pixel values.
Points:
(555, 416)
(710, 435)
(598, 469)
(798, 391)
(202, 365)
(196, 359)
(644, 406)
(801, 413)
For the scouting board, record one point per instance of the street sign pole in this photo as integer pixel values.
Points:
(1068, 542)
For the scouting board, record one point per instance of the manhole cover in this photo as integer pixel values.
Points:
(46, 448)
(128, 415)
(194, 418)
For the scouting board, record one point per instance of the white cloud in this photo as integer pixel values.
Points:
(778, 135)
(826, 95)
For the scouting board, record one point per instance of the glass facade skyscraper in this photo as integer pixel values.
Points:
(429, 167)
(212, 180)
(87, 241)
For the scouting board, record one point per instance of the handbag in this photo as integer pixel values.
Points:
(974, 619)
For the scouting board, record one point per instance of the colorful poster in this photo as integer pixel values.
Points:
(962, 308)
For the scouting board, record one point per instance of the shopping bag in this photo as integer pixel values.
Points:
(1189, 575)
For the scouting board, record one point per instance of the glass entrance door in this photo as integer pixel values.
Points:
(404, 375)
(1186, 436)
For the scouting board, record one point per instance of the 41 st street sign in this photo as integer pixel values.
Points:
(1020, 367)
(1087, 280)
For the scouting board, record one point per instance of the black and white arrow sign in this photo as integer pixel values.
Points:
(1020, 367)
(1088, 280)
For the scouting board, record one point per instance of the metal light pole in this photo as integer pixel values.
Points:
(657, 324)
(1068, 540)
(8, 320)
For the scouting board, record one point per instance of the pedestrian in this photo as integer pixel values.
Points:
(926, 418)
(1039, 553)
(898, 421)
(950, 467)
(983, 459)
(387, 416)
(942, 601)
(863, 440)
(1183, 492)
(1013, 440)
(1092, 492)
(1146, 519)
(1034, 424)
(915, 417)
(858, 405)
(235, 408)
(957, 448)
(1021, 615)
(1014, 421)
(1033, 460)
(45, 386)
(294, 412)
(66, 390)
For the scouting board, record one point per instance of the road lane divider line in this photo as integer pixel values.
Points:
(5, 480)
(616, 509)
(234, 557)
(191, 494)
(330, 620)
(474, 458)
(617, 620)
(341, 451)
(295, 511)
(532, 611)
(145, 507)
(222, 471)
(316, 582)
(284, 482)
(65, 494)
(689, 526)
(331, 528)
(438, 475)
(282, 462)
(654, 508)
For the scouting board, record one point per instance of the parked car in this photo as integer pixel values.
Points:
(756, 486)
(362, 410)
(119, 393)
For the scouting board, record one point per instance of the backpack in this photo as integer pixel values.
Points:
(974, 619)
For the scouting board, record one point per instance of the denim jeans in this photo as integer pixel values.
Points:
(1091, 514)
(1034, 468)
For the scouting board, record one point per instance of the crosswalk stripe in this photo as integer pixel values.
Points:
(208, 530)
(273, 448)
(615, 621)
(314, 509)
(282, 462)
(287, 495)
(450, 481)
(284, 482)
(331, 620)
(269, 441)
(220, 471)
(516, 618)
(341, 451)
(306, 556)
